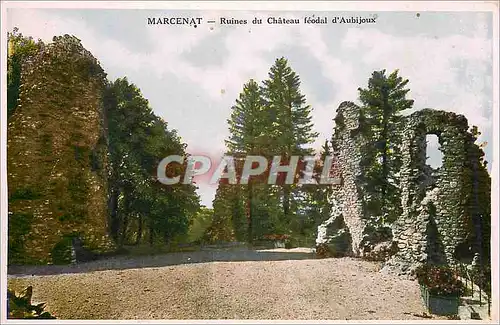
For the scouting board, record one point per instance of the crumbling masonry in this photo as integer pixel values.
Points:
(445, 212)
(57, 184)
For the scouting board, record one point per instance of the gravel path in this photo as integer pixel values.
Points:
(240, 287)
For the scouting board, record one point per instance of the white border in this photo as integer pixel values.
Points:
(495, 172)
(267, 5)
(452, 6)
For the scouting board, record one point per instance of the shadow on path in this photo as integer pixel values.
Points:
(134, 262)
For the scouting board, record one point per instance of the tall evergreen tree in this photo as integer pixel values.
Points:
(323, 191)
(316, 203)
(246, 125)
(291, 127)
(383, 101)
(247, 137)
(223, 227)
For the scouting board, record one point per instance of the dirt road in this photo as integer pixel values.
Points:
(276, 284)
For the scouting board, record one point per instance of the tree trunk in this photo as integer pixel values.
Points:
(151, 237)
(385, 149)
(124, 231)
(250, 213)
(114, 220)
(139, 231)
(286, 203)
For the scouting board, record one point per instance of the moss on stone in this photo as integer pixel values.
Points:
(51, 136)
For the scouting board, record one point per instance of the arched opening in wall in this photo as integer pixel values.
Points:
(433, 153)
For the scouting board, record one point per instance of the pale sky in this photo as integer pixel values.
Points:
(192, 76)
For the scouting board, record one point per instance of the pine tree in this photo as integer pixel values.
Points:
(247, 137)
(323, 191)
(290, 124)
(383, 101)
(246, 125)
(316, 198)
(223, 227)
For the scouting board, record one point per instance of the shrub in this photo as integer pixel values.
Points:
(19, 229)
(440, 280)
(322, 251)
(20, 306)
(274, 237)
(61, 253)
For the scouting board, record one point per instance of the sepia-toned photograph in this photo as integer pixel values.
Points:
(291, 161)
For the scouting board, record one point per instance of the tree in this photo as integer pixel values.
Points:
(199, 224)
(290, 126)
(322, 192)
(479, 203)
(222, 227)
(267, 121)
(247, 137)
(317, 206)
(138, 141)
(383, 101)
(247, 122)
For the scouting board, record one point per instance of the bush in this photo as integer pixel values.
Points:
(322, 251)
(61, 253)
(19, 230)
(440, 280)
(20, 307)
(200, 224)
(275, 237)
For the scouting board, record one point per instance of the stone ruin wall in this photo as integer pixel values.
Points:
(342, 234)
(436, 219)
(348, 146)
(437, 205)
(57, 154)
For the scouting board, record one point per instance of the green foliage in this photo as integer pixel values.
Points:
(291, 124)
(440, 280)
(132, 142)
(138, 141)
(315, 202)
(269, 120)
(21, 307)
(479, 184)
(247, 122)
(20, 49)
(18, 229)
(200, 223)
(61, 253)
(25, 194)
(383, 101)
(222, 227)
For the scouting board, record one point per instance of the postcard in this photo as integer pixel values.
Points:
(259, 161)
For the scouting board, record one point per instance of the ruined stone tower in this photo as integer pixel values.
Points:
(56, 162)
(343, 232)
(440, 221)
(441, 209)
